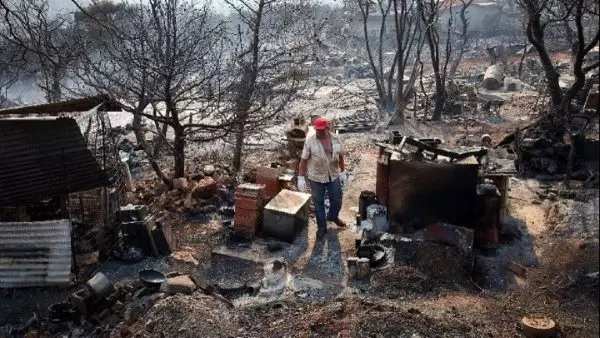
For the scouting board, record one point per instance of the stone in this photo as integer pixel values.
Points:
(226, 180)
(197, 177)
(180, 183)
(160, 189)
(443, 233)
(150, 325)
(133, 311)
(188, 203)
(180, 284)
(185, 256)
(536, 163)
(209, 170)
(206, 188)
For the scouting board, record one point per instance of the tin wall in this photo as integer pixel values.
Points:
(432, 192)
(35, 253)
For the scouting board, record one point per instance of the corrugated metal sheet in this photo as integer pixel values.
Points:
(44, 158)
(35, 253)
(68, 106)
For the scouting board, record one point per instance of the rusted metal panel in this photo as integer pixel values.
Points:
(431, 192)
(502, 183)
(382, 184)
(35, 253)
(44, 158)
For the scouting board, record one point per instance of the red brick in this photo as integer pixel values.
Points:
(206, 188)
(247, 203)
(272, 186)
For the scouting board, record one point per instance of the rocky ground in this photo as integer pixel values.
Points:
(557, 244)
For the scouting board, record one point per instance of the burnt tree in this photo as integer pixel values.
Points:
(164, 62)
(49, 37)
(540, 14)
(429, 13)
(400, 20)
(463, 36)
(273, 39)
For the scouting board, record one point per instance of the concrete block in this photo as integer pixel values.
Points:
(180, 284)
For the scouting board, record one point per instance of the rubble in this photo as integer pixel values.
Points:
(185, 256)
(422, 288)
(180, 284)
(194, 194)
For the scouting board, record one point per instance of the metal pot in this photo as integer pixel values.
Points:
(374, 253)
(152, 278)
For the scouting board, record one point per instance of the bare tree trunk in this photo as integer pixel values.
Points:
(239, 144)
(247, 85)
(440, 100)
(161, 139)
(140, 137)
(522, 60)
(464, 35)
(56, 92)
(535, 34)
(429, 16)
(179, 152)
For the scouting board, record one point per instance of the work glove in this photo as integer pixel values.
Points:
(301, 183)
(344, 178)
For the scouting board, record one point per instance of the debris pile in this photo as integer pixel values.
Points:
(543, 155)
(203, 192)
(103, 309)
(543, 149)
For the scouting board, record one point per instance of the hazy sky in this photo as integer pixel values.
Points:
(56, 5)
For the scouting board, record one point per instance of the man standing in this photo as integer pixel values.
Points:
(322, 161)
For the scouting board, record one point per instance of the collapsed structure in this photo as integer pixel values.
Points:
(60, 186)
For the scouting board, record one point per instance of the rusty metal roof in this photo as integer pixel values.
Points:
(35, 253)
(44, 158)
(67, 106)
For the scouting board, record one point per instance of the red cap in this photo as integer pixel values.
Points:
(321, 123)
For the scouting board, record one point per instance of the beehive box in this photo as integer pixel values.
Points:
(269, 177)
(249, 201)
(286, 215)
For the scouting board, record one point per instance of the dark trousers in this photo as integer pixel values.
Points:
(334, 191)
